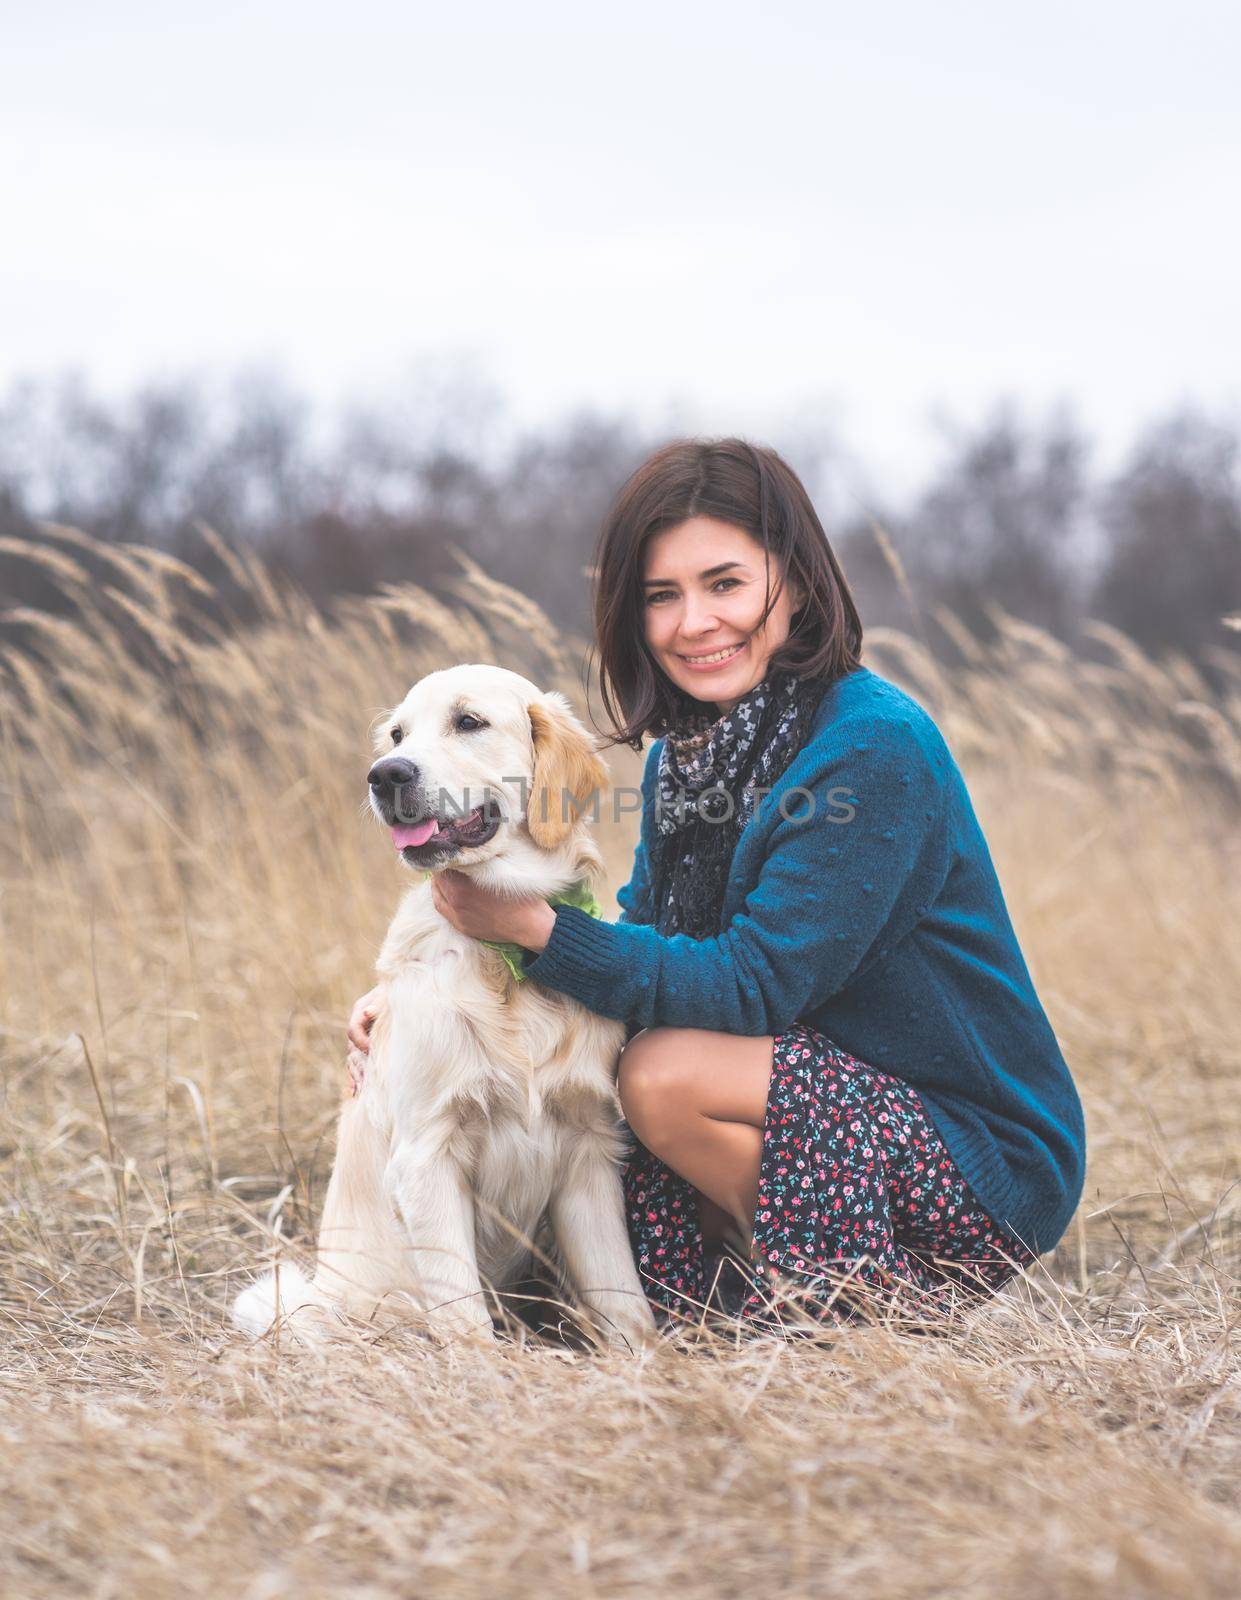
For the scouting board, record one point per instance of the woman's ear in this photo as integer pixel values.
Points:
(567, 771)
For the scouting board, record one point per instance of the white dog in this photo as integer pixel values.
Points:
(489, 1106)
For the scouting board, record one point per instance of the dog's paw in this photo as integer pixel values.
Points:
(623, 1322)
(281, 1294)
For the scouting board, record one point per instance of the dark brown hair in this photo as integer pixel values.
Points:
(755, 490)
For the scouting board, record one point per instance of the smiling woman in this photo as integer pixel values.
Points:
(834, 1044)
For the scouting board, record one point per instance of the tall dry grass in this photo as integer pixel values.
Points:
(190, 900)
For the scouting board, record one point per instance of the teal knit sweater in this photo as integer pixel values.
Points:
(875, 916)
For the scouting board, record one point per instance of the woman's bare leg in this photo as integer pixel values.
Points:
(697, 1099)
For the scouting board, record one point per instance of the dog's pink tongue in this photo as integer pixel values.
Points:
(418, 834)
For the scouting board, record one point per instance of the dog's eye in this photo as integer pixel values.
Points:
(397, 735)
(467, 722)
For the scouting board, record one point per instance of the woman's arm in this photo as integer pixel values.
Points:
(831, 896)
(634, 897)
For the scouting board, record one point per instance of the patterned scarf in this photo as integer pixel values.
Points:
(709, 771)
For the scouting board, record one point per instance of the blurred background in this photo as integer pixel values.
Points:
(356, 291)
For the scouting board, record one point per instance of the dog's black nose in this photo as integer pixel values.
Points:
(391, 773)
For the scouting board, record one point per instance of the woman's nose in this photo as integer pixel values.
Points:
(697, 619)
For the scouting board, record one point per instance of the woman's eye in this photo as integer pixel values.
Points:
(468, 723)
(397, 735)
(659, 595)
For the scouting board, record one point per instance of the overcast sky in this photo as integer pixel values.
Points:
(758, 214)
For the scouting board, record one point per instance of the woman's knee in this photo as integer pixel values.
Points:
(655, 1079)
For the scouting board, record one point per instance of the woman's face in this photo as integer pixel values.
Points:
(705, 584)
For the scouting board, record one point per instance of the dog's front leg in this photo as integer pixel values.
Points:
(431, 1195)
(588, 1220)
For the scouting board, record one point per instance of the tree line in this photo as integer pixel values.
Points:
(1013, 515)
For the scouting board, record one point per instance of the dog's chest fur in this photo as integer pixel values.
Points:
(505, 1075)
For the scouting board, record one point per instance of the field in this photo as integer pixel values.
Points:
(190, 900)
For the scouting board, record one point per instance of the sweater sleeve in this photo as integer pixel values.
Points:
(842, 882)
(634, 897)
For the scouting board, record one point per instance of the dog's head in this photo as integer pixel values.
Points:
(473, 754)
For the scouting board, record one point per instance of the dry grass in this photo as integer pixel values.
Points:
(190, 901)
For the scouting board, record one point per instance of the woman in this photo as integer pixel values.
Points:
(834, 1040)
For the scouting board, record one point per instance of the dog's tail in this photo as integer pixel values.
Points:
(279, 1294)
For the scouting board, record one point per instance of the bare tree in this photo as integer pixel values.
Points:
(1173, 519)
(1005, 521)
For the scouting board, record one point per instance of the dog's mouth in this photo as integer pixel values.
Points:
(432, 837)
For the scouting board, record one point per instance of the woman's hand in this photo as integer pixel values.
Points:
(356, 1062)
(362, 1018)
(482, 914)
(361, 1021)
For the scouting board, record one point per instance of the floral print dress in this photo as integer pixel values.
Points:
(860, 1206)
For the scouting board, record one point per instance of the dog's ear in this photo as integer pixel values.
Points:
(568, 774)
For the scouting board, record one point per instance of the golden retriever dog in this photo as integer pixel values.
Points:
(488, 1119)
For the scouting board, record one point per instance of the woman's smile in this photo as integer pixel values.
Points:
(708, 663)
